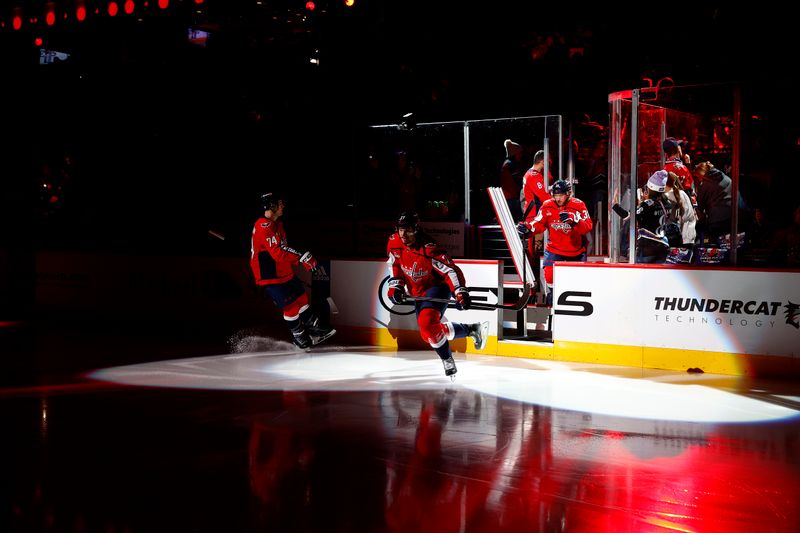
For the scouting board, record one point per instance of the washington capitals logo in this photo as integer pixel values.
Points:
(563, 226)
(414, 272)
(792, 314)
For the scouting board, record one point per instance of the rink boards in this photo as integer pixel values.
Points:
(727, 321)
(360, 292)
(730, 321)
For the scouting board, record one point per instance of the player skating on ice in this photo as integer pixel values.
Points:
(420, 267)
(271, 260)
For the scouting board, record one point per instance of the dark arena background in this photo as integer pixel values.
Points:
(146, 386)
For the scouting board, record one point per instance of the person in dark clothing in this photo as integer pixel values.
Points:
(787, 242)
(713, 202)
(511, 173)
(654, 229)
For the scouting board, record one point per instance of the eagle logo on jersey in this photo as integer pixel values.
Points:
(563, 226)
(414, 273)
(792, 314)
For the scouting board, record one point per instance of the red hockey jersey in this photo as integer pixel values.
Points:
(533, 190)
(564, 239)
(422, 265)
(271, 259)
(682, 171)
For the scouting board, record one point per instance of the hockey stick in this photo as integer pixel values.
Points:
(480, 306)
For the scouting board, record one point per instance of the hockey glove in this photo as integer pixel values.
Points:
(620, 211)
(566, 216)
(397, 290)
(308, 261)
(463, 299)
(523, 230)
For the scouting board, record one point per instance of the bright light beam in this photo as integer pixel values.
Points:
(354, 369)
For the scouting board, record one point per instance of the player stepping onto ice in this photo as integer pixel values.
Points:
(420, 267)
(271, 260)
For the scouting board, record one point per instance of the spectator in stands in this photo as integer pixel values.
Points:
(511, 177)
(682, 211)
(678, 161)
(654, 230)
(787, 241)
(761, 230)
(713, 202)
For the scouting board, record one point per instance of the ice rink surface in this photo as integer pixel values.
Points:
(347, 438)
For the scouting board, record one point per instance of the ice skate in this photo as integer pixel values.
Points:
(479, 333)
(320, 334)
(301, 339)
(450, 367)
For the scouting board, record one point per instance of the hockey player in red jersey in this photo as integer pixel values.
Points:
(534, 189)
(271, 261)
(421, 267)
(534, 194)
(568, 221)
